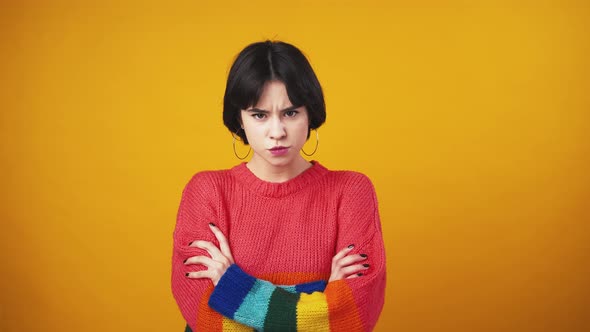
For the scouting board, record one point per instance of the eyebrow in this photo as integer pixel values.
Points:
(258, 110)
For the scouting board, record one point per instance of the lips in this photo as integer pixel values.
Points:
(279, 150)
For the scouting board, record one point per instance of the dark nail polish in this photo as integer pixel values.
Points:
(359, 274)
(184, 261)
(190, 243)
(351, 246)
(364, 255)
(365, 265)
(186, 274)
(211, 224)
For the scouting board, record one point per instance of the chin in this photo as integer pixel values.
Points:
(280, 162)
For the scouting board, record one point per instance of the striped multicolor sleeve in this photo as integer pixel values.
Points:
(263, 306)
(260, 304)
(344, 305)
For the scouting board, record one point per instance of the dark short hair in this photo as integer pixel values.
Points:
(266, 61)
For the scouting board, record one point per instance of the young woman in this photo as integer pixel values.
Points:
(277, 243)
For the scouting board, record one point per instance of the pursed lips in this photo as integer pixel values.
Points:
(278, 148)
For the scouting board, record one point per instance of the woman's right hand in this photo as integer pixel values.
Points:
(344, 266)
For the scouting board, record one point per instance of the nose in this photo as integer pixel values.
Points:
(277, 129)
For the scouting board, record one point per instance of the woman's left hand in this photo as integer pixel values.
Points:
(221, 258)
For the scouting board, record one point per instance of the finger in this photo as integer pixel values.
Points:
(353, 269)
(203, 260)
(223, 243)
(349, 260)
(342, 253)
(199, 274)
(210, 247)
(356, 275)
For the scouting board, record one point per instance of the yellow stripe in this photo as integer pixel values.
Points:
(312, 312)
(233, 326)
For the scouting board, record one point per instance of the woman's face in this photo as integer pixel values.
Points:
(273, 123)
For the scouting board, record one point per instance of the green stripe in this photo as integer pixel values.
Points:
(282, 311)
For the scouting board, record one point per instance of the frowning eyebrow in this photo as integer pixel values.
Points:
(258, 110)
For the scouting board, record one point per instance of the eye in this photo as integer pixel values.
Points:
(258, 116)
(291, 113)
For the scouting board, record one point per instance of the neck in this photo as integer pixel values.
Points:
(271, 173)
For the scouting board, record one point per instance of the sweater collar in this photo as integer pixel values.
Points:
(278, 189)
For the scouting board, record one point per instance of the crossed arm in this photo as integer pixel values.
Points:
(343, 265)
(260, 304)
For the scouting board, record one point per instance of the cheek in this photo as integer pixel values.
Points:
(253, 133)
(302, 131)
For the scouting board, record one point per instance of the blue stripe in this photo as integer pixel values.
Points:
(310, 287)
(231, 289)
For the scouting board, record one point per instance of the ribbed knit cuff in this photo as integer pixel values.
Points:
(231, 289)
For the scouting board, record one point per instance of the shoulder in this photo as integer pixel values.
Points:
(206, 180)
(351, 180)
(210, 175)
(357, 201)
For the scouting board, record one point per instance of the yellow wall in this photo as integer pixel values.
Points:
(473, 121)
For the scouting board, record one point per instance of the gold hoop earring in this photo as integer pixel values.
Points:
(317, 143)
(234, 144)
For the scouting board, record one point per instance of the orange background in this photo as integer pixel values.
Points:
(471, 118)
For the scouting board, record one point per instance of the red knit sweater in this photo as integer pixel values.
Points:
(280, 234)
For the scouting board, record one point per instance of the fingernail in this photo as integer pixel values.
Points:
(186, 274)
(211, 224)
(351, 246)
(365, 265)
(184, 261)
(190, 243)
(358, 274)
(364, 255)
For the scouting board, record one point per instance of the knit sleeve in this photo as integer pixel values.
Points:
(197, 209)
(344, 305)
